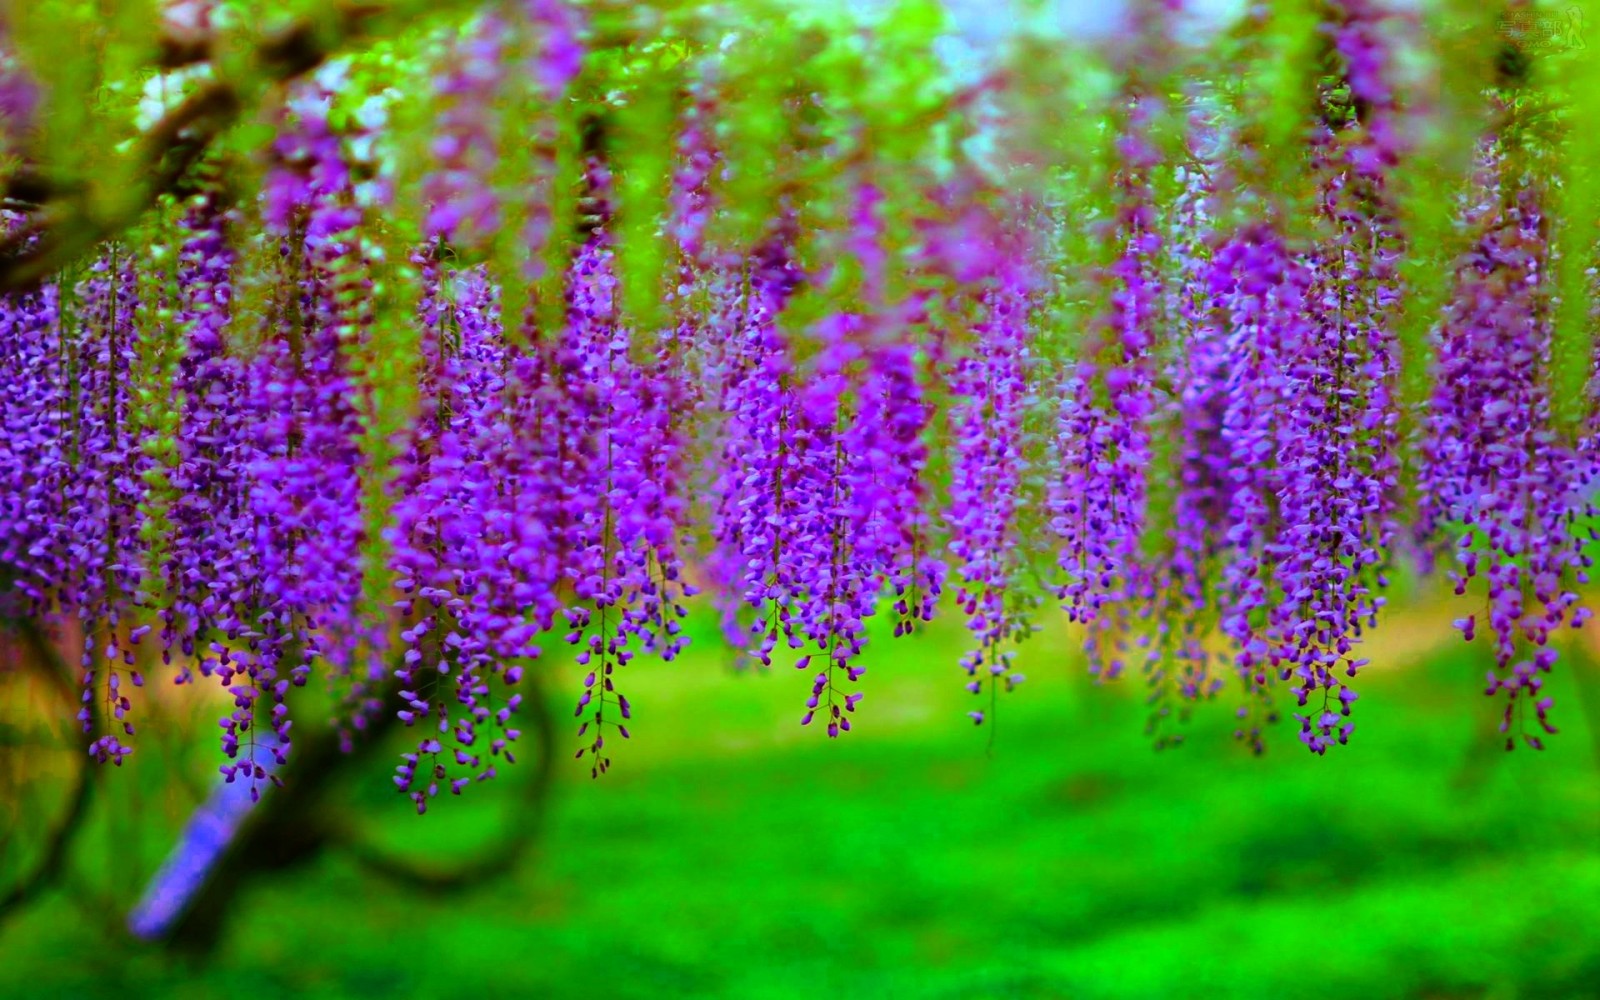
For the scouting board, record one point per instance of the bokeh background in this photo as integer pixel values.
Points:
(731, 853)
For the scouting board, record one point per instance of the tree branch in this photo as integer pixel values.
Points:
(292, 824)
(50, 866)
(55, 237)
(64, 226)
(495, 860)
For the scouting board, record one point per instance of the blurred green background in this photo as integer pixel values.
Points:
(732, 854)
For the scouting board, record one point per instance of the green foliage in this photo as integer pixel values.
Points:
(157, 406)
(1063, 105)
(1577, 209)
(641, 148)
(1284, 57)
(811, 99)
(754, 78)
(91, 59)
(388, 373)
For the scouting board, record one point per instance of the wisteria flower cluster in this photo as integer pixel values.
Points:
(394, 417)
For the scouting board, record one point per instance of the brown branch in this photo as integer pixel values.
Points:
(283, 49)
(54, 238)
(294, 823)
(285, 828)
(64, 226)
(491, 862)
(62, 836)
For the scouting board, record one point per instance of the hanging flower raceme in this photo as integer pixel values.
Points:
(619, 488)
(102, 515)
(990, 388)
(1258, 294)
(469, 572)
(73, 468)
(35, 451)
(759, 486)
(520, 57)
(1368, 37)
(1098, 501)
(836, 538)
(459, 191)
(288, 549)
(823, 509)
(209, 572)
(889, 506)
(1495, 480)
(19, 95)
(1179, 660)
(1337, 449)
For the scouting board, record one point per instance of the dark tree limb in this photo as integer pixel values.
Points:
(285, 828)
(296, 45)
(48, 871)
(293, 824)
(496, 860)
(64, 226)
(58, 234)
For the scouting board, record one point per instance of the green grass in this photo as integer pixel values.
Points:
(730, 854)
